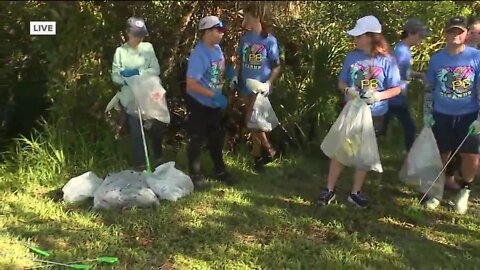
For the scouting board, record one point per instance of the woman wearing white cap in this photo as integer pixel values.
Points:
(259, 59)
(371, 73)
(205, 101)
(133, 58)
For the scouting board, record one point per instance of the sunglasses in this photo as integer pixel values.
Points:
(220, 27)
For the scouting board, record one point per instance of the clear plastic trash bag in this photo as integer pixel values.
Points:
(263, 117)
(423, 164)
(169, 183)
(124, 189)
(351, 139)
(81, 187)
(149, 96)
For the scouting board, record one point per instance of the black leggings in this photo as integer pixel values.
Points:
(204, 124)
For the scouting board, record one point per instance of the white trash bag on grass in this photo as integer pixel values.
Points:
(169, 183)
(351, 139)
(81, 187)
(423, 164)
(124, 189)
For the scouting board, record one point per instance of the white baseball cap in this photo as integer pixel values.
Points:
(366, 24)
(209, 22)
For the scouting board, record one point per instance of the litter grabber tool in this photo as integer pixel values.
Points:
(147, 160)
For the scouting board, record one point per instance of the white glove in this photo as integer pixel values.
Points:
(475, 127)
(371, 97)
(351, 93)
(258, 87)
(234, 81)
(266, 89)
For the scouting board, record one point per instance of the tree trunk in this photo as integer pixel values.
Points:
(189, 9)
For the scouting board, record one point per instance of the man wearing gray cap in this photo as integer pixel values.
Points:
(205, 101)
(413, 33)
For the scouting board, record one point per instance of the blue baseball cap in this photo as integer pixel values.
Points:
(136, 26)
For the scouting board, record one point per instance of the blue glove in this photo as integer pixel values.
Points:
(220, 100)
(129, 72)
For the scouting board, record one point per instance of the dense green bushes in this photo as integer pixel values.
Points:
(74, 65)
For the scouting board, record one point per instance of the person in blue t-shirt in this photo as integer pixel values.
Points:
(451, 105)
(257, 58)
(413, 33)
(371, 72)
(205, 101)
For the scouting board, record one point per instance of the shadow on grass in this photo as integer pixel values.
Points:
(266, 221)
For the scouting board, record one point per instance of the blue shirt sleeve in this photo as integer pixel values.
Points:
(392, 74)
(273, 52)
(196, 66)
(403, 60)
(344, 75)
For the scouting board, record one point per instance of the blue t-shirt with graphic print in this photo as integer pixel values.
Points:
(404, 62)
(453, 78)
(366, 73)
(206, 66)
(257, 55)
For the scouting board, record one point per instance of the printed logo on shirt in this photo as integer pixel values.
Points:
(455, 83)
(252, 55)
(365, 78)
(216, 74)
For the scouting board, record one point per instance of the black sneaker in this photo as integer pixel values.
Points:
(198, 181)
(226, 178)
(326, 197)
(358, 200)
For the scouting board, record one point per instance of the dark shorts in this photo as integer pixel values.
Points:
(450, 130)
(202, 120)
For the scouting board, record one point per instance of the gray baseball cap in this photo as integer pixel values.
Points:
(414, 26)
(136, 26)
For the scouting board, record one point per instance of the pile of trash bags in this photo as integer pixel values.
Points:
(128, 188)
(351, 140)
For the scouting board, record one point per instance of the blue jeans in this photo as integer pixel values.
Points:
(155, 133)
(402, 113)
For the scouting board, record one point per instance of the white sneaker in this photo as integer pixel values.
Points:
(432, 203)
(461, 203)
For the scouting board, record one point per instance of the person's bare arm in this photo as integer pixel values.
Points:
(389, 93)
(197, 87)
(275, 73)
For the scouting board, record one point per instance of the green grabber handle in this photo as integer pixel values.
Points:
(471, 130)
(109, 260)
(37, 250)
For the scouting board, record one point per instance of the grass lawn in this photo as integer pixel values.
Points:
(267, 221)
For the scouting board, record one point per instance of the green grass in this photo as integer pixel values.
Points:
(267, 221)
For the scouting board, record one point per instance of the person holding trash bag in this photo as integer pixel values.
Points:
(451, 105)
(134, 58)
(258, 59)
(205, 101)
(369, 74)
(413, 33)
